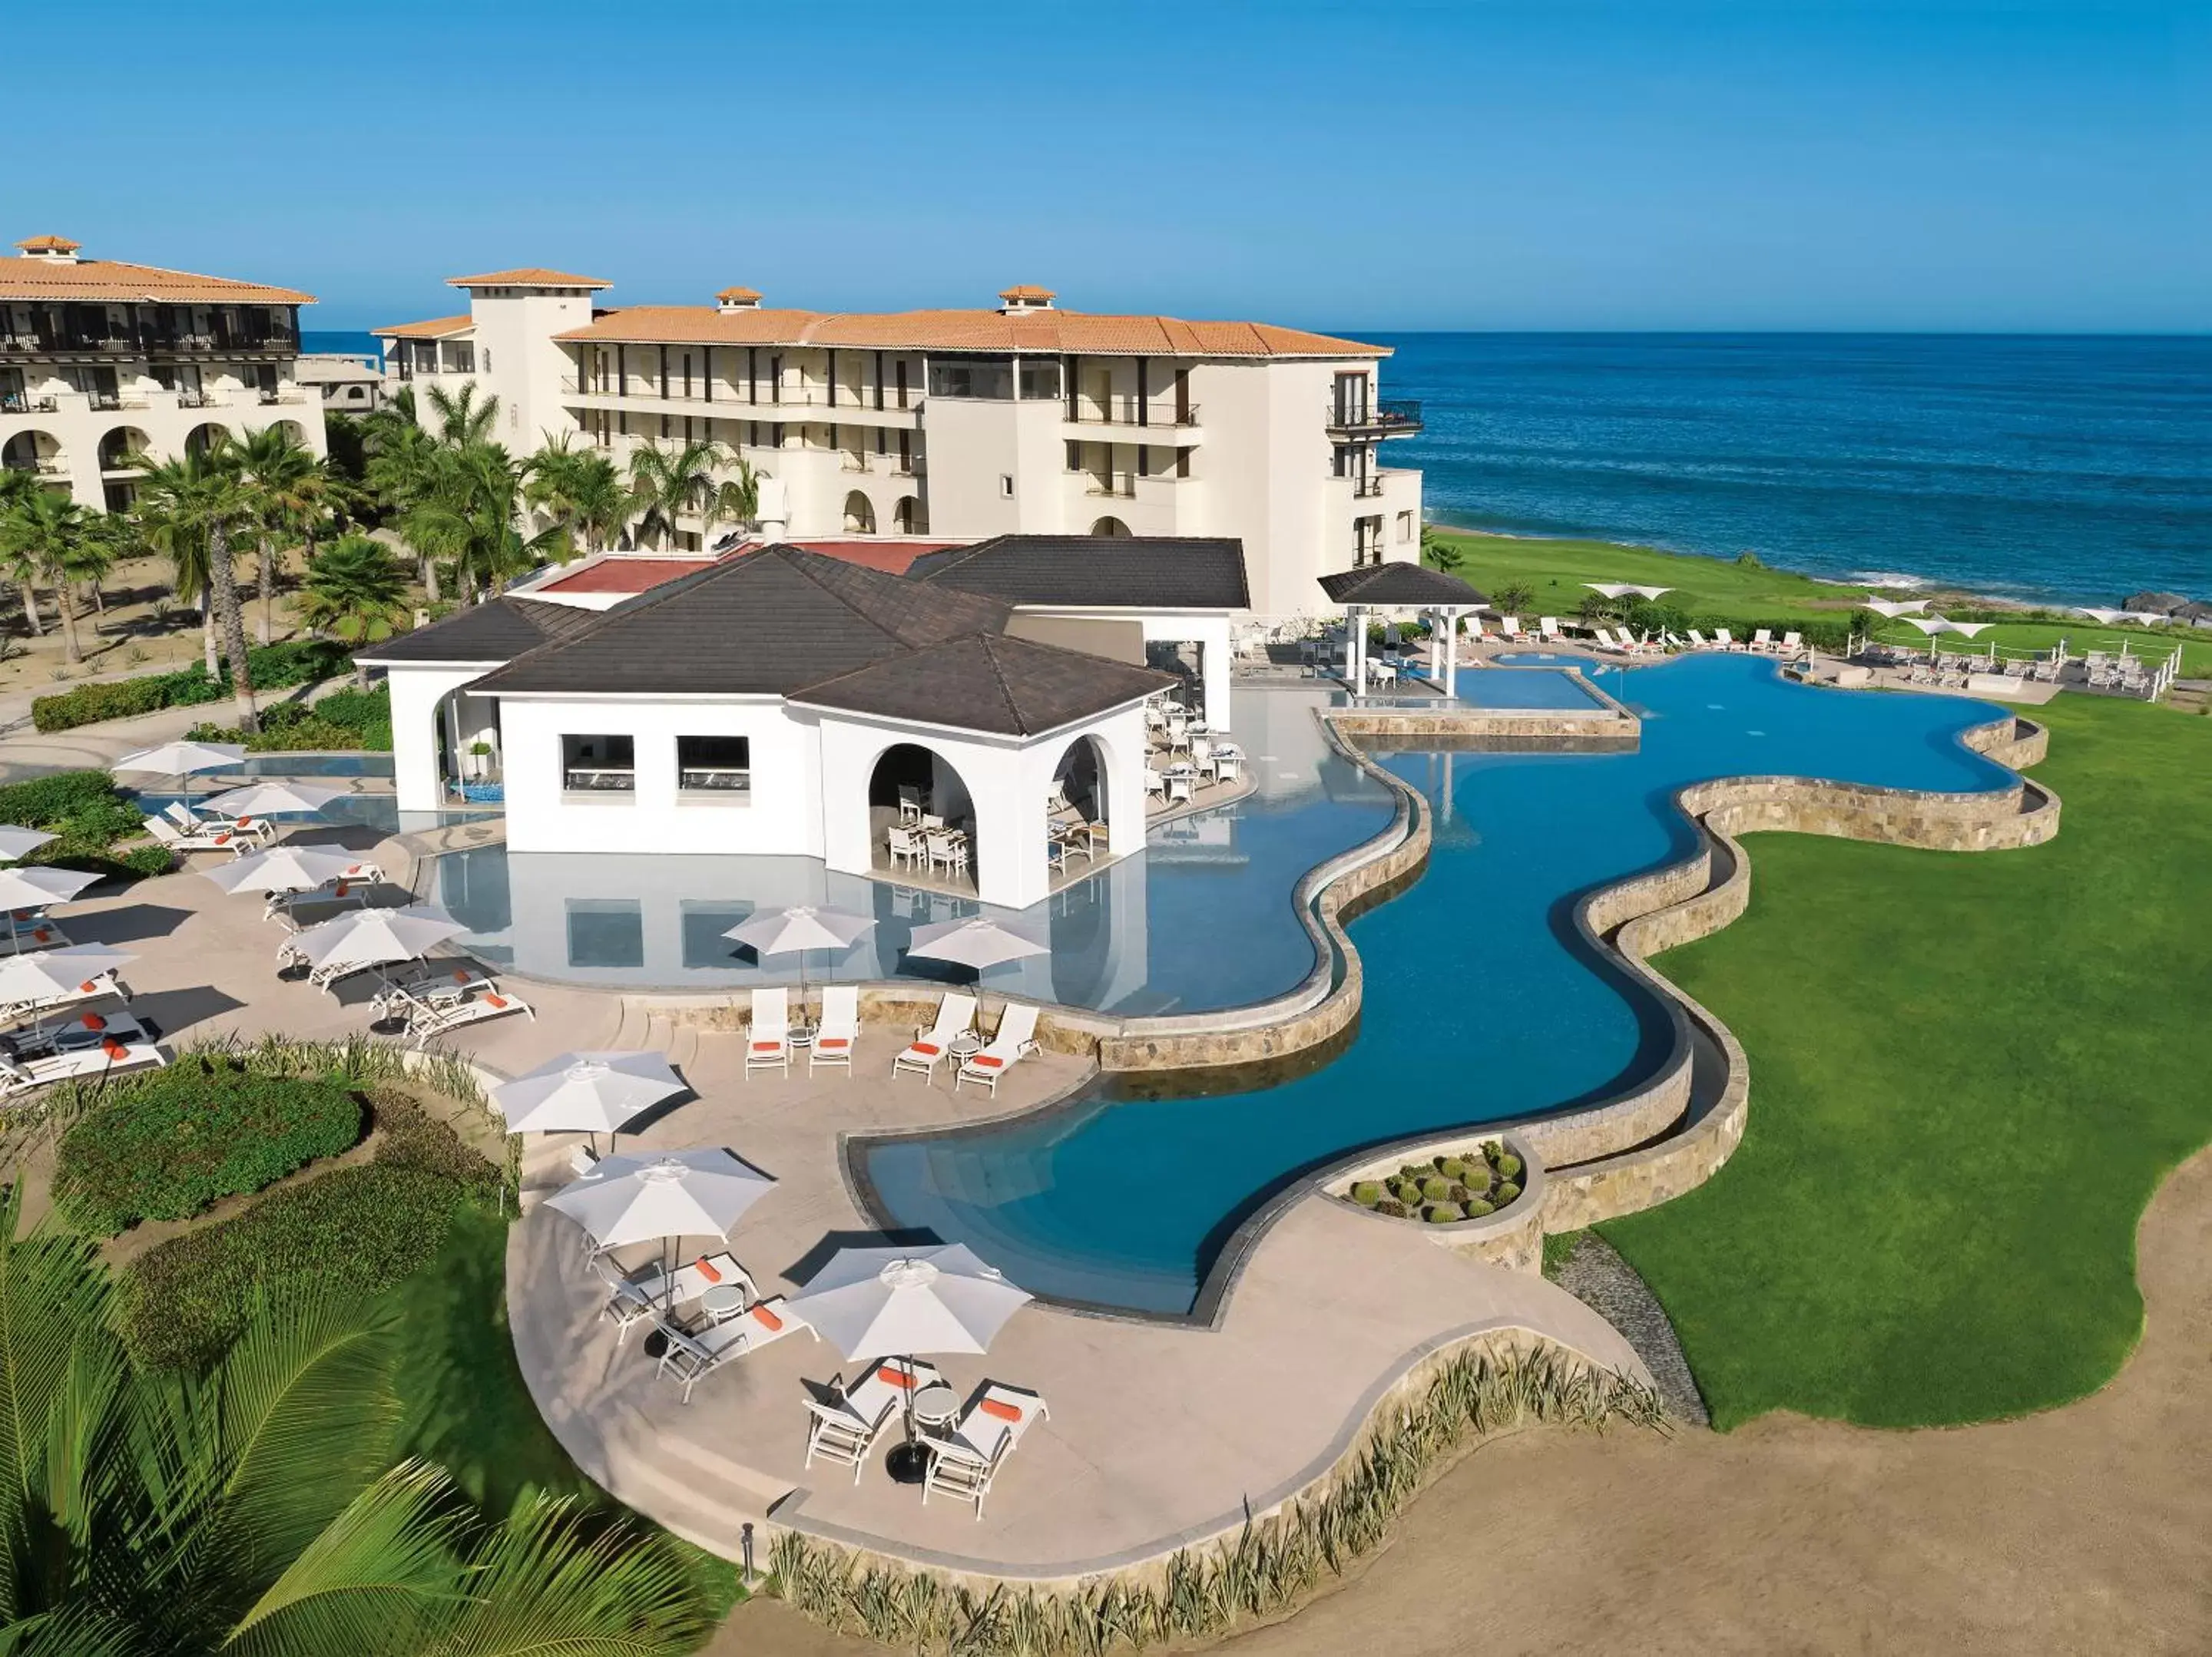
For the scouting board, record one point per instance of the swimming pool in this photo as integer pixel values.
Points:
(1482, 1002)
(1551, 689)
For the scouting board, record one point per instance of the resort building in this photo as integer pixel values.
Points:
(347, 385)
(944, 726)
(1021, 419)
(101, 360)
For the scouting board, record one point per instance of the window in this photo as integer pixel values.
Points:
(1005, 486)
(598, 765)
(1040, 380)
(606, 932)
(719, 766)
(978, 377)
(1404, 526)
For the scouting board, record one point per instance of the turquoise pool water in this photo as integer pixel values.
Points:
(1482, 1003)
(1551, 688)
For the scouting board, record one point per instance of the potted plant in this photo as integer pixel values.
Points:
(480, 756)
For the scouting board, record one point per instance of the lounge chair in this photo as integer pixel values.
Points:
(32, 930)
(1549, 626)
(840, 1030)
(1509, 626)
(236, 842)
(692, 1355)
(1763, 639)
(956, 1016)
(767, 1037)
(96, 1044)
(633, 1299)
(1698, 641)
(350, 890)
(207, 821)
(963, 1463)
(1015, 1040)
(844, 1423)
(1792, 643)
(91, 989)
(437, 1010)
(1725, 639)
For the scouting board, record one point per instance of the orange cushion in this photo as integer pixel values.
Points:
(768, 1046)
(93, 1021)
(87, 987)
(222, 838)
(707, 1270)
(928, 1048)
(460, 975)
(1000, 1408)
(42, 934)
(114, 1049)
(827, 1041)
(498, 1001)
(987, 1061)
(341, 892)
(766, 1319)
(895, 1377)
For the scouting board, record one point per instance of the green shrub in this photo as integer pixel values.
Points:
(1508, 1166)
(49, 802)
(87, 815)
(1451, 1167)
(343, 720)
(1480, 1207)
(272, 667)
(1434, 1187)
(1441, 1213)
(1506, 1192)
(166, 1146)
(1367, 1192)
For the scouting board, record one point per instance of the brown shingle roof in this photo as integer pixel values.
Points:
(1402, 584)
(435, 328)
(110, 280)
(990, 681)
(1042, 331)
(528, 275)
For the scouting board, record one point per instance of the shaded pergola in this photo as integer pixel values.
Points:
(1373, 589)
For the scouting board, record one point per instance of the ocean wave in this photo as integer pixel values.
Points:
(1886, 580)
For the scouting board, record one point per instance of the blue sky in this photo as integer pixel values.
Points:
(1386, 166)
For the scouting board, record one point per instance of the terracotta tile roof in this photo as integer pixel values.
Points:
(49, 245)
(738, 292)
(110, 280)
(623, 575)
(435, 328)
(528, 275)
(1044, 332)
(1026, 290)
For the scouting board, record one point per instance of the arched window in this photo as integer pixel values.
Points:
(860, 515)
(1112, 528)
(909, 516)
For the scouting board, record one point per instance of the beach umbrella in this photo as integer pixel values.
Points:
(38, 889)
(291, 869)
(908, 1300)
(661, 1194)
(180, 759)
(975, 943)
(371, 938)
(273, 799)
(798, 928)
(44, 974)
(594, 1092)
(16, 842)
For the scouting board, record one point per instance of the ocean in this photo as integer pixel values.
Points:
(2077, 469)
(345, 343)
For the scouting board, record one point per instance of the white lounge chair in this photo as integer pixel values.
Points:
(692, 1355)
(956, 1016)
(1698, 641)
(1015, 1040)
(633, 1299)
(350, 890)
(236, 842)
(767, 1037)
(843, 1426)
(1762, 639)
(90, 989)
(1548, 626)
(1792, 643)
(437, 1011)
(1509, 626)
(38, 1058)
(1725, 639)
(963, 1463)
(840, 1030)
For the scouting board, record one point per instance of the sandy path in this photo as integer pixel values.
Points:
(2084, 1529)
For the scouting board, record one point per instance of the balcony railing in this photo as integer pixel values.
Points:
(1120, 486)
(14, 402)
(186, 399)
(1389, 418)
(1364, 489)
(1129, 411)
(711, 779)
(599, 780)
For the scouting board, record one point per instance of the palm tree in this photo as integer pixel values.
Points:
(39, 535)
(15, 487)
(355, 590)
(580, 489)
(255, 1508)
(468, 515)
(665, 481)
(290, 488)
(196, 502)
(461, 419)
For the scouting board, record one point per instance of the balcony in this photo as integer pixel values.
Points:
(17, 403)
(1389, 418)
(1149, 415)
(1115, 486)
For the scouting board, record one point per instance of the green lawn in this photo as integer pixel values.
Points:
(1970, 1071)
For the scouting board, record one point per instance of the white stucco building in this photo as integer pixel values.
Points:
(101, 360)
(1019, 419)
(779, 701)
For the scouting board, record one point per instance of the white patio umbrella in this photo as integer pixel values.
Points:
(45, 972)
(15, 841)
(371, 938)
(975, 943)
(37, 888)
(1931, 625)
(593, 1092)
(1649, 592)
(284, 869)
(2104, 617)
(1622, 589)
(273, 800)
(1893, 608)
(798, 928)
(660, 1195)
(180, 759)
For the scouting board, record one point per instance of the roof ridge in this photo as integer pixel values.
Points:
(999, 676)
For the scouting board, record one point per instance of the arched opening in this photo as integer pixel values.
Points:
(921, 820)
(117, 447)
(1078, 783)
(1112, 528)
(293, 432)
(860, 515)
(33, 451)
(909, 516)
(204, 436)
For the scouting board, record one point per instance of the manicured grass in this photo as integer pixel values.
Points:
(1970, 1071)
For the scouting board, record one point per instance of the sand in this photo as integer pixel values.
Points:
(2087, 1528)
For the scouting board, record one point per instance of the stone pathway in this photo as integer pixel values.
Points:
(1596, 1275)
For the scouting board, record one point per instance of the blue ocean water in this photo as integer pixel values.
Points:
(2072, 469)
(345, 342)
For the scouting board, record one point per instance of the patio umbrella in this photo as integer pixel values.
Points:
(665, 1194)
(286, 869)
(45, 972)
(370, 937)
(593, 1092)
(2104, 617)
(37, 888)
(182, 758)
(1931, 625)
(904, 1301)
(273, 800)
(16, 842)
(975, 943)
(802, 927)
(1893, 608)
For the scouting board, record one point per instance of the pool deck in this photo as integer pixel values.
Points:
(1158, 1434)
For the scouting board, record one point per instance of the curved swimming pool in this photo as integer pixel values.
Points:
(1482, 1003)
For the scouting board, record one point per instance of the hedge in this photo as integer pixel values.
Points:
(88, 814)
(356, 1230)
(167, 1146)
(343, 719)
(273, 667)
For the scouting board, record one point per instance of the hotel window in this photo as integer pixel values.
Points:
(1005, 486)
(721, 767)
(598, 765)
(1404, 526)
(991, 379)
(1040, 380)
